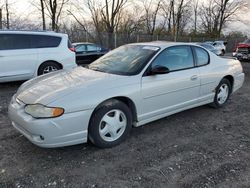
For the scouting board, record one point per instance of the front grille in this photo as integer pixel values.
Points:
(244, 50)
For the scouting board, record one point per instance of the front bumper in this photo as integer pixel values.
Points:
(68, 129)
(241, 56)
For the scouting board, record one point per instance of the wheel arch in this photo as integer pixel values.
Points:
(47, 61)
(230, 78)
(126, 100)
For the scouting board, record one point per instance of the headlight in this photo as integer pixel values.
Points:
(41, 111)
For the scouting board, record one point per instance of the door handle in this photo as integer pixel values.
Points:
(194, 77)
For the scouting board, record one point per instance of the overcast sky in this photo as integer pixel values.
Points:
(24, 9)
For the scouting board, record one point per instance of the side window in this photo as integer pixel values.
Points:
(14, 42)
(175, 58)
(91, 48)
(81, 48)
(202, 56)
(43, 41)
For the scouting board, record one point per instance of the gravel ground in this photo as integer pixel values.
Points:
(201, 147)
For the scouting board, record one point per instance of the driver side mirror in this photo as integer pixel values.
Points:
(159, 70)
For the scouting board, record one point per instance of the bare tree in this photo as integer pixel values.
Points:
(216, 13)
(177, 14)
(42, 9)
(151, 12)
(131, 22)
(167, 11)
(1, 19)
(195, 11)
(106, 16)
(182, 16)
(110, 15)
(7, 15)
(54, 8)
(96, 16)
(43, 14)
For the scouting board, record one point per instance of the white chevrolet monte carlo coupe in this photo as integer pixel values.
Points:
(129, 86)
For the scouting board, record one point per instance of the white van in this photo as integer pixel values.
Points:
(27, 54)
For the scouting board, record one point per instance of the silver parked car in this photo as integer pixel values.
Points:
(211, 48)
(129, 86)
(219, 45)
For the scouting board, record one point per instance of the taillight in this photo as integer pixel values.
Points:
(72, 49)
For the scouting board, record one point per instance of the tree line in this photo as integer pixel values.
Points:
(152, 17)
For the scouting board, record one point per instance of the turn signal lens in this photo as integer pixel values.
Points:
(57, 112)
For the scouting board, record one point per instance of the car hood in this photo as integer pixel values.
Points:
(243, 45)
(48, 88)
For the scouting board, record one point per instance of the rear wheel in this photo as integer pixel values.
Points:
(222, 94)
(110, 124)
(48, 67)
(223, 52)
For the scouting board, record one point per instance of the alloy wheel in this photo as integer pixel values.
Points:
(49, 69)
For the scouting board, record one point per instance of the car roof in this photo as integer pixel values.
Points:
(205, 44)
(50, 33)
(164, 44)
(219, 41)
(78, 43)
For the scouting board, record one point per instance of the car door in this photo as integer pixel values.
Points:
(17, 58)
(178, 89)
(208, 74)
(81, 54)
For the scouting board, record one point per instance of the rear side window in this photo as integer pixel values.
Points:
(81, 48)
(91, 48)
(14, 42)
(202, 57)
(43, 41)
(23, 41)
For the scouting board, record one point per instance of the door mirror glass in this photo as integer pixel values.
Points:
(159, 70)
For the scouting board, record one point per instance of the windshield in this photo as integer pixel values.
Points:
(125, 60)
(247, 41)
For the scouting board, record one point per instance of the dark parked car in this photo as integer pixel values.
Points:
(86, 53)
(211, 48)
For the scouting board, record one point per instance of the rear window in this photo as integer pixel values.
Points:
(23, 41)
(202, 57)
(247, 41)
(70, 44)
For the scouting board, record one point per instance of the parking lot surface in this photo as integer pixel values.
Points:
(201, 147)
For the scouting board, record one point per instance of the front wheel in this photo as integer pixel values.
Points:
(222, 93)
(110, 124)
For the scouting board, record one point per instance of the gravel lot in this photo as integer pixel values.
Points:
(201, 147)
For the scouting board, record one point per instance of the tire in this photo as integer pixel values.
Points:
(223, 52)
(222, 93)
(110, 124)
(48, 67)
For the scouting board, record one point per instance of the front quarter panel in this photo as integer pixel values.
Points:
(86, 99)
